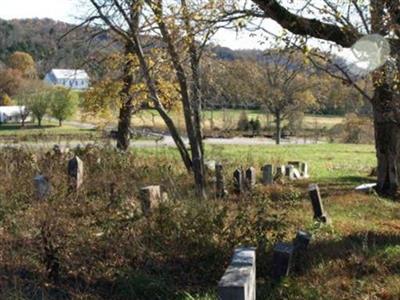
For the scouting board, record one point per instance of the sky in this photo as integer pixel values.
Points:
(67, 10)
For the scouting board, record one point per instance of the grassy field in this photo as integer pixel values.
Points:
(100, 246)
(229, 118)
(48, 131)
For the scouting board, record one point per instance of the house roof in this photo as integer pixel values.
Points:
(69, 74)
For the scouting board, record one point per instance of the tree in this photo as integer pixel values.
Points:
(282, 87)
(11, 81)
(184, 28)
(344, 24)
(24, 63)
(6, 101)
(39, 104)
(63, 104)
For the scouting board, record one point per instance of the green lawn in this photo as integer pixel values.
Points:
(327, 162)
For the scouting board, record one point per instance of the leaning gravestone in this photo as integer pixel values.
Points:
(250, 178)
(282, 260)
(219, 183)
(75, 172)
(268, 177)
(238, 181)
(239, 280)
(42, 187)
(150, 196)
(316, 201)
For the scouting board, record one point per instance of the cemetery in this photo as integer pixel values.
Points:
(93, 222)
(200, 150)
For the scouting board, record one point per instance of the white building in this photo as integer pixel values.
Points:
(11, 113)
(71, 79)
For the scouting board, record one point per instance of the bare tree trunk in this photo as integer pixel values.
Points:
(60, 122)
(39, 122)
(124, 124)
(278, 132)
(387, 140)
(126, 110)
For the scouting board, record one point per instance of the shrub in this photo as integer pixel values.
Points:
(243, 123)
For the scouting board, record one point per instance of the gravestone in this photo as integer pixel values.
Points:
(280, 173)
(268, 177)
(150, 196)
(42, 187)
(304, 170)
(290, 172)
(295, 164)
(250, 178)
(210, 166)
(316, 201)
(75, 172)
(302, 240)
(219, 182)
(238, 181)
(282, 260)
(239, 279)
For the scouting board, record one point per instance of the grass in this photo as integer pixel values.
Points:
(229, 118)
(106, 249)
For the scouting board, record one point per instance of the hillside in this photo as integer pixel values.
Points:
(41, 38)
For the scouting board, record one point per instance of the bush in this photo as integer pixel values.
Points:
(243, 123)
(353, 130)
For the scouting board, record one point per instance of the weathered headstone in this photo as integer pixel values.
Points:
(210, 166)
(42, 187)
(268, 177)
(316, 201)
(239, 280)
(301, 240)
(282, 260)
(219, 182)
(290, 172)
(150, 196)
(280, 173)
(238, 181)
(75, 172)
(304, 170)
(366, 187)
(295, 164)
(250, 178)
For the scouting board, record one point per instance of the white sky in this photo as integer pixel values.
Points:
(67, 10)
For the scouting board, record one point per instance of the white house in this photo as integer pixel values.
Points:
(11, 113)
(71, 79)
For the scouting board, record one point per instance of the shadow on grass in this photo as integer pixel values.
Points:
(359, 254)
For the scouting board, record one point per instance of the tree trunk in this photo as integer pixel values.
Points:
(278, 132)
(124, 124)
(39, 122)
(59, 122)
(387, 140)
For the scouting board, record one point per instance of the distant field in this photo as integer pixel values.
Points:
(229, 118)
(49, 130)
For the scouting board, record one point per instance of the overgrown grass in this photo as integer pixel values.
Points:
(106, 249)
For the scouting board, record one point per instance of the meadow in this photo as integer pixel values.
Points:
(96, 244)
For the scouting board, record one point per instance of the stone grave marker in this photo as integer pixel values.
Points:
(280, 173)
(282, 260)
(290, 172)
(250, 178)
(295, 164)
(150, 196)
(302, 240)
(239, 279)
(316, 201)
(268, 177)
(304, 170)
(75, 172)
(238, 181)
(42, 187)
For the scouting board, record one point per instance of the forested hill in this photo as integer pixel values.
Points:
(41, 38)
